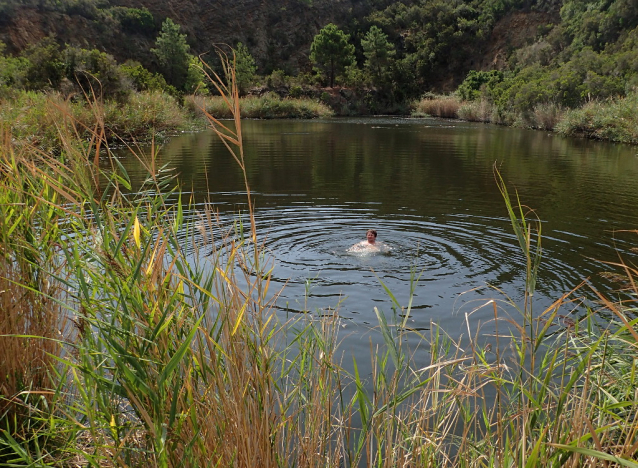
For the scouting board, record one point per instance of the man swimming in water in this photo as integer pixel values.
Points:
(370, 242)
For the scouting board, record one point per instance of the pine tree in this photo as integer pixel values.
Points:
(331, 52)
(379, 53)
(172, 52)
(245, 67)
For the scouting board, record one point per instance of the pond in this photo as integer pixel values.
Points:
(428, 187)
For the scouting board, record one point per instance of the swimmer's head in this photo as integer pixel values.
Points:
(371, 235)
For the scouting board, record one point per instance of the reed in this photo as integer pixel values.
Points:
(476, 111)
(547, 116)
(438, 106)
(613, 120)
(176, 356)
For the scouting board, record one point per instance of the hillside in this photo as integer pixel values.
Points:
(512, 55)
(278, 33)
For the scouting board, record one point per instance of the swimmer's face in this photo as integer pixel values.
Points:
(371, 237)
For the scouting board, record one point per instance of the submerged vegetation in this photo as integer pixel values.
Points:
(135, 334)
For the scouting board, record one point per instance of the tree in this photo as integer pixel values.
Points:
(96, 72)
(11, 70)
(45, 67)
(172, 52)
(331, 52)
(378, 52)
(245, 67)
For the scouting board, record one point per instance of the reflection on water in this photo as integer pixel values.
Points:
(427, 186)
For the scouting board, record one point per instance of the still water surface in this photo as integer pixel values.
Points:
(427, 186)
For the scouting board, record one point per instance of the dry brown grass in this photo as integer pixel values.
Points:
(30, 315)
(476, 111)
(443, 106)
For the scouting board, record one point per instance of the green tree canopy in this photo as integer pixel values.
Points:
(331, 52)
(172, 51)
(379, 53)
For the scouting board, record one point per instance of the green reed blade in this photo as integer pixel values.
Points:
(598, 455)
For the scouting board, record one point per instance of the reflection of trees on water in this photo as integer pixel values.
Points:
(415, 165)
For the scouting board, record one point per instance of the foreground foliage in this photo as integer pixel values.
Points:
(153, 341)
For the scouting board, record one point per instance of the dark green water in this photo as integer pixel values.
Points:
(427, 186)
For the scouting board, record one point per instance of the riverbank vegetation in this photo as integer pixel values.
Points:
(142, 331)
(541, 64)
(611, 119)
(268, 106)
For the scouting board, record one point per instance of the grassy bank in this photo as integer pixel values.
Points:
(38, 119)
(268, 106)
(143, 354)
(612, 120)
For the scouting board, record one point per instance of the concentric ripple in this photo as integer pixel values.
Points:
(427, 186)
(451, 261)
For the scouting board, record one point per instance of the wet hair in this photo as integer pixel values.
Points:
(373, 232)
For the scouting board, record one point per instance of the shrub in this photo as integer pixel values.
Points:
(277, 79)
(36, 118)
(295, 91)
(135, 20)
(96, 73)
(44, 67)
(475, 81)
(144, 80)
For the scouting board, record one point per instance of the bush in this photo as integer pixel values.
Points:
(476, 81)
(96, 73)
(135, 20)
(36, 118)
(295, 91)
(44, 65)
(277, 79)
(12, 70)
(144, 80)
